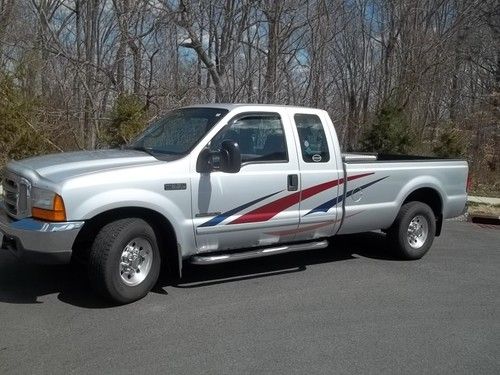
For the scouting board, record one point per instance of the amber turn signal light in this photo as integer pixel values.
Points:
(58, 212)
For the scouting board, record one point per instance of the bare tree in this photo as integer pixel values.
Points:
(434, 63)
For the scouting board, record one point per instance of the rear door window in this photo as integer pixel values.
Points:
(313, 143)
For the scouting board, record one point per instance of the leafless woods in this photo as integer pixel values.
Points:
(420, 76)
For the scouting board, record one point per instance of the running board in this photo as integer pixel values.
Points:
(256, 253)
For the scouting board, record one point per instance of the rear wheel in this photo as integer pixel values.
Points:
(125, 260)
(413, 231)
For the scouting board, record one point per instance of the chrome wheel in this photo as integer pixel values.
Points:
(136, 261)
(418, 231)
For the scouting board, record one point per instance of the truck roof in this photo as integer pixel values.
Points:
(231, 106)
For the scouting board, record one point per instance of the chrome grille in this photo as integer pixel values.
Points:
(15, 195)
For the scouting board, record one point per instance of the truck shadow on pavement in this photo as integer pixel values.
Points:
(22, 283)
(369, 245)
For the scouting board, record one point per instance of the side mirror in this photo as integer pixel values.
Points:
(230, 157)
(227, 159)
(204, 162)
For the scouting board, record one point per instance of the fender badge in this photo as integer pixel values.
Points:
(178, 186)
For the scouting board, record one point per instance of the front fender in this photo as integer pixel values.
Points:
(176, 211)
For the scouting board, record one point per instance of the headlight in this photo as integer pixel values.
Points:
(47, 205)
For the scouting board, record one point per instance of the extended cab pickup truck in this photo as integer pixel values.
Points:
(218, 183)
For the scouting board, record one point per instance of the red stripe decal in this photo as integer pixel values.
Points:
(271, 209)
(356, 176)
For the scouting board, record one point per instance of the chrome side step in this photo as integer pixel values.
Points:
(256, 253)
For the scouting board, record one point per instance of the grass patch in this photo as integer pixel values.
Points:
(486, 190)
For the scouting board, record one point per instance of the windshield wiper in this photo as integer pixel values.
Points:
(147, 150)
(152, 151)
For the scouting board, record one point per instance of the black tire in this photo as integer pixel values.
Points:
(415, 246)
(105, 271)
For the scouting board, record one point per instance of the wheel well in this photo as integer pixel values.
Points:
(433, 199)
(162, 227)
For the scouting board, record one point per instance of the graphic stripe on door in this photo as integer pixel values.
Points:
(220, 218)
(329, 204)
(271, 209)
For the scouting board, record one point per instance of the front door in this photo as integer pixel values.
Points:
(249, 208)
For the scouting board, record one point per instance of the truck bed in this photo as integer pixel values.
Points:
(374, 201)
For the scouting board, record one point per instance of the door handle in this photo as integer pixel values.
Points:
(293, 182)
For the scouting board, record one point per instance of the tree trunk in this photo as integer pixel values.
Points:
(90, 53)
(273, 22)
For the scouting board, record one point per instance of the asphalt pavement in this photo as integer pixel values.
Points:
(348, 309)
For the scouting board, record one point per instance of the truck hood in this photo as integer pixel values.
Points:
(63, 166)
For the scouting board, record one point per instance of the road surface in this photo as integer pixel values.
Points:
(346, 309)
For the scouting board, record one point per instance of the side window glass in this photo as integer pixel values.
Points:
(312, 138)
(261, 138)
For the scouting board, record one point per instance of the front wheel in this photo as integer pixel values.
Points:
(412, 233)
(125, 260)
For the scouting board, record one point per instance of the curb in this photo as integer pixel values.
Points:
(483, 200)
(484, 219)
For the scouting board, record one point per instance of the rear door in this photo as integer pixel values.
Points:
(249, 208)
(321, 179)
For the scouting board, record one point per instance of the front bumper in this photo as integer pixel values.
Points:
(38, 241)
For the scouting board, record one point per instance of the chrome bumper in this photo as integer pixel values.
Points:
(39, 241)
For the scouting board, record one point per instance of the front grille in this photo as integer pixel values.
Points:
(11, 195)
(15, 195)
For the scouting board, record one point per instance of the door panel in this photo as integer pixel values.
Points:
(321, 180)
(245, 209)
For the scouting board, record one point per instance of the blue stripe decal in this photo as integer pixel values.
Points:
(327, 205)
(223, 216)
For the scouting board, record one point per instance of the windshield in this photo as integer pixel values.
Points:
(177, 132)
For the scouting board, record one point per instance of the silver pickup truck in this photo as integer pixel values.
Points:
(218, 183)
